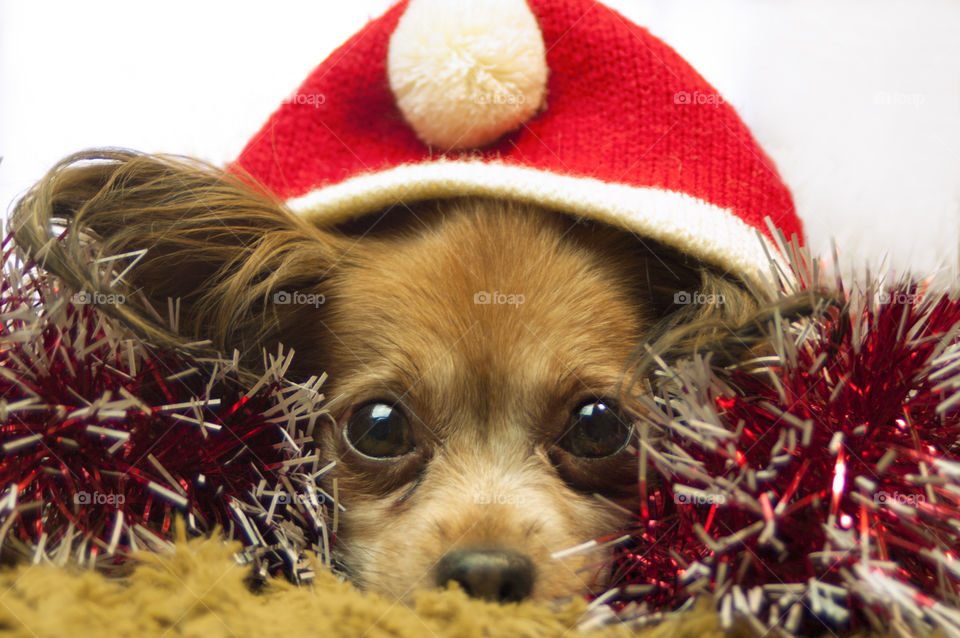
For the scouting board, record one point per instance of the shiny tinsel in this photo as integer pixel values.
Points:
(816, 489)
(104, 440)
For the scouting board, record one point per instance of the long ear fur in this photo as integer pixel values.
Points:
(734, 327)
(199, 234)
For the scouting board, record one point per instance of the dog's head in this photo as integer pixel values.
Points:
(476, 357)
(481, 355)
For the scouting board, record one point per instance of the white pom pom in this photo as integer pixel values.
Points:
(464, 72)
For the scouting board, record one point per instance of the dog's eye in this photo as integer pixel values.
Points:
(596, 430)
(379, 430)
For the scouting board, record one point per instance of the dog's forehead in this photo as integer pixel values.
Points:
(491, 279)
(486, 308)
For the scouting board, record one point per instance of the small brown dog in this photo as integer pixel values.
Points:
(481, 354)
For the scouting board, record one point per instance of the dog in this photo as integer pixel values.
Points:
(483, 355)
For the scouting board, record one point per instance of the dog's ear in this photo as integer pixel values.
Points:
(187, 231)
(693, 307)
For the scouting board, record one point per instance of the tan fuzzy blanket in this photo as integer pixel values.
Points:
(200, 591)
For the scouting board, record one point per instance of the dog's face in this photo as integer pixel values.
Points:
(475, 364)
(475, 350)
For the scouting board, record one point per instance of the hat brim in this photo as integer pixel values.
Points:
(705, 231)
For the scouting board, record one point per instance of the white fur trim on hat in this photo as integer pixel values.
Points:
(465, 73)
(705, 231)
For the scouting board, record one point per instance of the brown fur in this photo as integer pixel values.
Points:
(488, 387)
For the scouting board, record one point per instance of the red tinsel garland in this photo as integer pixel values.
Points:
(105, 440)
(819, 491)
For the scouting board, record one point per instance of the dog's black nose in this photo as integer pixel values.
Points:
(493, 573)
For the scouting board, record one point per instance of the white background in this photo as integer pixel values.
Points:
(857, 101)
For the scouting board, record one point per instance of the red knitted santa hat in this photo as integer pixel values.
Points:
(563, 103)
